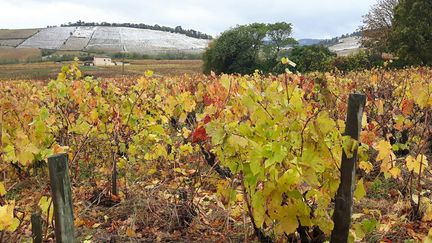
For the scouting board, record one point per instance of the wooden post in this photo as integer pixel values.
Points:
(62, 198)
(1, 136)
(36, 228)
(344, 197)
(114, 176)
(123, 63)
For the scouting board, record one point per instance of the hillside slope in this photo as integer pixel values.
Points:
(347, 46)
(102, 39)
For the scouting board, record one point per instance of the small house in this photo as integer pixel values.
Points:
(102, 61)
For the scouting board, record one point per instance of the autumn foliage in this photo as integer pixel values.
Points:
(281, 138)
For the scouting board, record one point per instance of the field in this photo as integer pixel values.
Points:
(162, 157)
(49, 70)
(12, 55)
(6, 34)
(10, 43)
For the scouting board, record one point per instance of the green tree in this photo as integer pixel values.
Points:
(411, 37)
(235, 51)
(245, 48)
(278, 38)
(280, 35)
(312, 58)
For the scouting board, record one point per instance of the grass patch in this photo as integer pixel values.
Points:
(17, 34)
(15, 55)
(49, 70)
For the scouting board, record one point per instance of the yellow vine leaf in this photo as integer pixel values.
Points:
(25, 157)
(395, 172)
(258, 208)
(225, 81)
(428, 239)
(235, 141)
(384, 150)
(325, 123)
(427, 216)
(186, 132)
(186, 149)
(13, 225)
(286, 61)
(386, 156)
(421, 96)
(94, 115)
(183, 117)
(288, 222)
(374, 79)
(360, 191)
(366, 166)
(2, 189)
(189, 104)
(289, 179)
(380, 107)
(413, 164)
(349, 146)
(148, 73)
(6, 217)
(44, 204)
(296, 101)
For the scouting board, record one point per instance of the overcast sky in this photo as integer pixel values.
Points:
(311, 18)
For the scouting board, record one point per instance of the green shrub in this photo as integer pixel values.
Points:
(312, 58)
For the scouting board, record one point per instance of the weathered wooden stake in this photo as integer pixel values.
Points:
(114, 176)
(344, 197)
(62, 198)
(36, 228)
(1, 136)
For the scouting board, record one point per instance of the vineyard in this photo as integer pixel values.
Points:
(213, 158)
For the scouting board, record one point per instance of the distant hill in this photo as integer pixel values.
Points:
(104, 39)
(346, 46)
(309, 42)
(336, 40)
(342, 45)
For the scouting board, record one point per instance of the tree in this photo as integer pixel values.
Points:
(280, 35)
(377, 25)
(245, 48)
(312, 58)
(411, 37)
(235, 51)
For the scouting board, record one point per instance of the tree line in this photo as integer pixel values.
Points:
(396, 33)
(178, 29)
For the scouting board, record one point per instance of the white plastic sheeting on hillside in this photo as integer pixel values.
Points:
(113, 39)
(49, 38)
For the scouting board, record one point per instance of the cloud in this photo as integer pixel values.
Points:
(311, 18)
